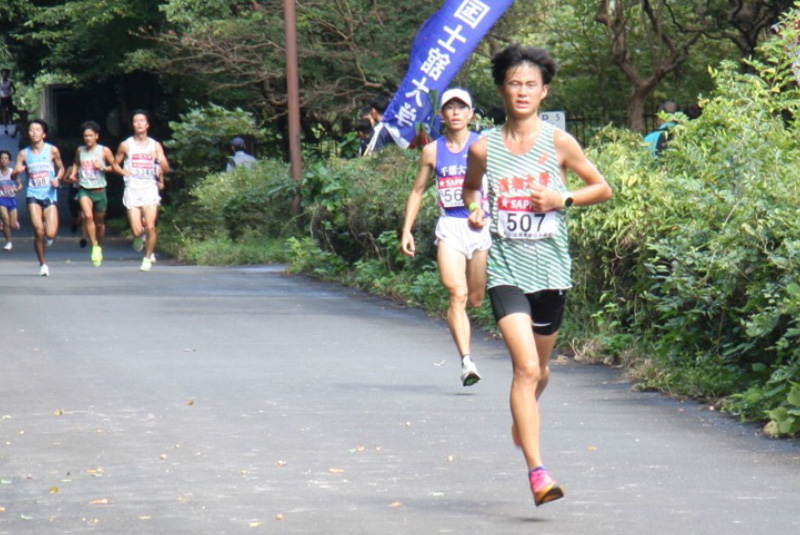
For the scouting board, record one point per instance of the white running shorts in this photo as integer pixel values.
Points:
(456, 232)
(139, 197)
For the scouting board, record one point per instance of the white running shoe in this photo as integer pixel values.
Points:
(48, 242)
(44, 271)
(8, 246)
(147, 264)
(469, 374)
(153, 257)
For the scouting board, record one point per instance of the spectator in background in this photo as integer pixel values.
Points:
(659, 138)
(240, 158)
(363, 128)
(381, 137)
(366, 113)
(693, 111)
(7, 91)
(22, 129)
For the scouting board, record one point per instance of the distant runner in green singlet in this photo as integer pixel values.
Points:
(92, 162)
(526, 163)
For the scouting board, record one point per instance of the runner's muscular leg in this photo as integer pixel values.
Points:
(87, 207)
(518, 336)
(51, 221)
(37, 222)
(544, 348)
(135, 221)
(100, 226)
(150, 215)
(452, 270)
(476, 278)
(6, 218)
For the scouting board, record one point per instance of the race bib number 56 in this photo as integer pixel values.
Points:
(517, 221)
(450, 192)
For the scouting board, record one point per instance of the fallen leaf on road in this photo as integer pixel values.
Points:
(59, 412)
(191, 402)
(100, 501)
(450, 458)
(255, 524)
(2, 509)
(440, 363)
(96, 473)
(26, 517)
(281, 463)
(279, 516)
(396, 504)
(335, 470)
(54, 490)
(189, 350)
(592, 448)
(145, 517)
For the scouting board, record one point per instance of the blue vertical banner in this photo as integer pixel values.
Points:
(440, 48)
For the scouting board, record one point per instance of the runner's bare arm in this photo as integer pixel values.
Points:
(427, 163)
(108, 161)
(73, 169)
(21, 164)
(476, 168)
(572, 158)
(55, 154)
(162, 158)
(122, 151)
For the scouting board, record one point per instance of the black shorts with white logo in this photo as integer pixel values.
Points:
(545, 308)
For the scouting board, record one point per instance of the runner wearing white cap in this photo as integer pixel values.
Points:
(461, 250)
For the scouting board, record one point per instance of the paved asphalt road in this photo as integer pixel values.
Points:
(215, 401)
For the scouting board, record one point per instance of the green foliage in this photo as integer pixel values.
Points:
(697, 255)
(86, 38)
(351, 203)
(201, 140)
(226, 215)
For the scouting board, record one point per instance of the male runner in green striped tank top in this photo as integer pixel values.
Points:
(92, 162)
(526, 163)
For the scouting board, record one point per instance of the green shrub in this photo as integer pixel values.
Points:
(201, 141)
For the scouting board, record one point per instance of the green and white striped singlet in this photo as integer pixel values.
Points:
(531, 265)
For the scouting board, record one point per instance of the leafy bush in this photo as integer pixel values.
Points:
(698, 254)
(351, 203)
(201, 141)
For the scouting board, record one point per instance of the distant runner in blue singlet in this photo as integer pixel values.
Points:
(461, 250)
(42, 163)
(9, 186)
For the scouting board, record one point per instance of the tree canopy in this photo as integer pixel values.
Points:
(618, 57)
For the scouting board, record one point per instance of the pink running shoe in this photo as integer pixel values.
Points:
(544, 488)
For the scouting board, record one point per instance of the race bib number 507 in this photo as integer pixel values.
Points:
(517, 221)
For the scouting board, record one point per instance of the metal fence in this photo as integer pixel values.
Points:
(583, 127)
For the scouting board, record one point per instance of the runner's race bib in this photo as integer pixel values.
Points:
(88, 169)
(450, 193)
(143, 166)
(8, 188)
(39, 179)
(517, 221)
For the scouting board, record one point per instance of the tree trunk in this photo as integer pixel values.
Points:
(636, 105)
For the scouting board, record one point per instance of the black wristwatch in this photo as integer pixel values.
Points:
(566, 197)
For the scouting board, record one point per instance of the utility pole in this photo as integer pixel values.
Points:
(293, 98)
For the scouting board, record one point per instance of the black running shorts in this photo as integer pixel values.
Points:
(545, 308)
